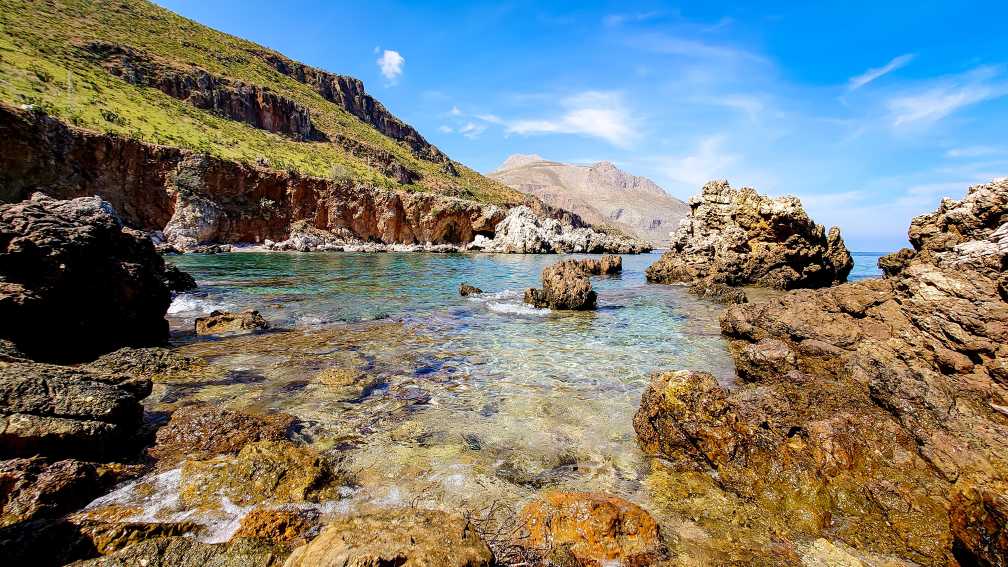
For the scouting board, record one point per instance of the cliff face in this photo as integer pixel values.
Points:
(151, 185)
(600, 193)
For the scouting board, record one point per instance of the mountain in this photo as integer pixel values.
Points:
(600, 193)
(130, 68)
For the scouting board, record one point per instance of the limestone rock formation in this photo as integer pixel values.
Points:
(61, 412)
(227, 322)
(597, 529)
(187, 552)
(600, 193)
(524, 232)
(33, 488)
(881, 402)
(396, 537)
(74, 283)
(565, 285)
(739, 237)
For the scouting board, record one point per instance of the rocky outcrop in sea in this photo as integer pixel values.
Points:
(524, 232)
(75, 283)
(738, 237)
(874, 412)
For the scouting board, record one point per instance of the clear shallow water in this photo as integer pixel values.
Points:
(467, 400)
(866, 265)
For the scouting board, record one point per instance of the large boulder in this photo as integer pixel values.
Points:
(597, 529)
(739, 237)
(61, 412)
(408, 537)
(75, 283)
(565, 285)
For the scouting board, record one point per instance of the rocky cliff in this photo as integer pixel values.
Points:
(196, 199)
(600, 193)
(871, 412)
(738, 237)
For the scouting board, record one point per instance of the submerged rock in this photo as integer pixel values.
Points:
(75, 283)
(227, 322)
(466, 290)
(719, 292)
(59, 411)
(565, 286)
(597, 529)
(524, 232)
(203, 431)
(739, 237)
(407, 537)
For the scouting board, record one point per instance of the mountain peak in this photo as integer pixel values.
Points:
(519, 160)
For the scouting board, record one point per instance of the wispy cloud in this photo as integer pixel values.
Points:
(594, 113)
(472, 130)
(874, 73)
(686, 47)
(614, 20)
(391, 65)
(455, 111)
(975, 151)
(708, 161)
(946, 96)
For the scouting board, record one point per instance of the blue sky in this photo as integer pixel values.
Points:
(868, 111)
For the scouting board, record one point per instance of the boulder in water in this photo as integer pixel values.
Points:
(466, 290)
(565, 286)
(75, 283)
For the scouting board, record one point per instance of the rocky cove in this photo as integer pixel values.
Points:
(799, 428)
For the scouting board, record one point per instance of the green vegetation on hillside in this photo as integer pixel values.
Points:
(43, 63)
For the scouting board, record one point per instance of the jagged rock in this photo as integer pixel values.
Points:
(10, 353)
(74, 283)
(203, 431)
(227, 322)
(606, 265)
(66, 412)
(177, 280)
(408, 537)
(251, 104)
(893, 264)
(707, 288)
(739, 237)
(565, 286)
(524, 232)
(868, 400)
(187, 552)
(466, 290)
(597, 529)
(37, 488)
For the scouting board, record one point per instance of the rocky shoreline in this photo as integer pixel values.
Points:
(868, 426)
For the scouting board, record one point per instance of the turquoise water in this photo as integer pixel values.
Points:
(866, 265)
(458, 401)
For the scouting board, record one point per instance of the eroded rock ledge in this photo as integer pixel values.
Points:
(873, 412)
(738, 237)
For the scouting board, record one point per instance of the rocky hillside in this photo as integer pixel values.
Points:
(600, 193)
(133, 69)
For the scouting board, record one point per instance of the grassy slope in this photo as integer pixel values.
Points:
(40, 64)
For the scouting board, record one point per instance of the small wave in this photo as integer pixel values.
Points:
(516, 309)
(190, 304)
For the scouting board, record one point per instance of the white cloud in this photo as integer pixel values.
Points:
(613, 20)
(674, 45)
(446, 129)
(872, 74)
(472, 130)
(455, 111)
(596, 114)
(975, 151)
(708, 161)
(391, 65)
(946, 96)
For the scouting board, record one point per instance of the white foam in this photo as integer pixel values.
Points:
(516, 309)
(186, 304)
